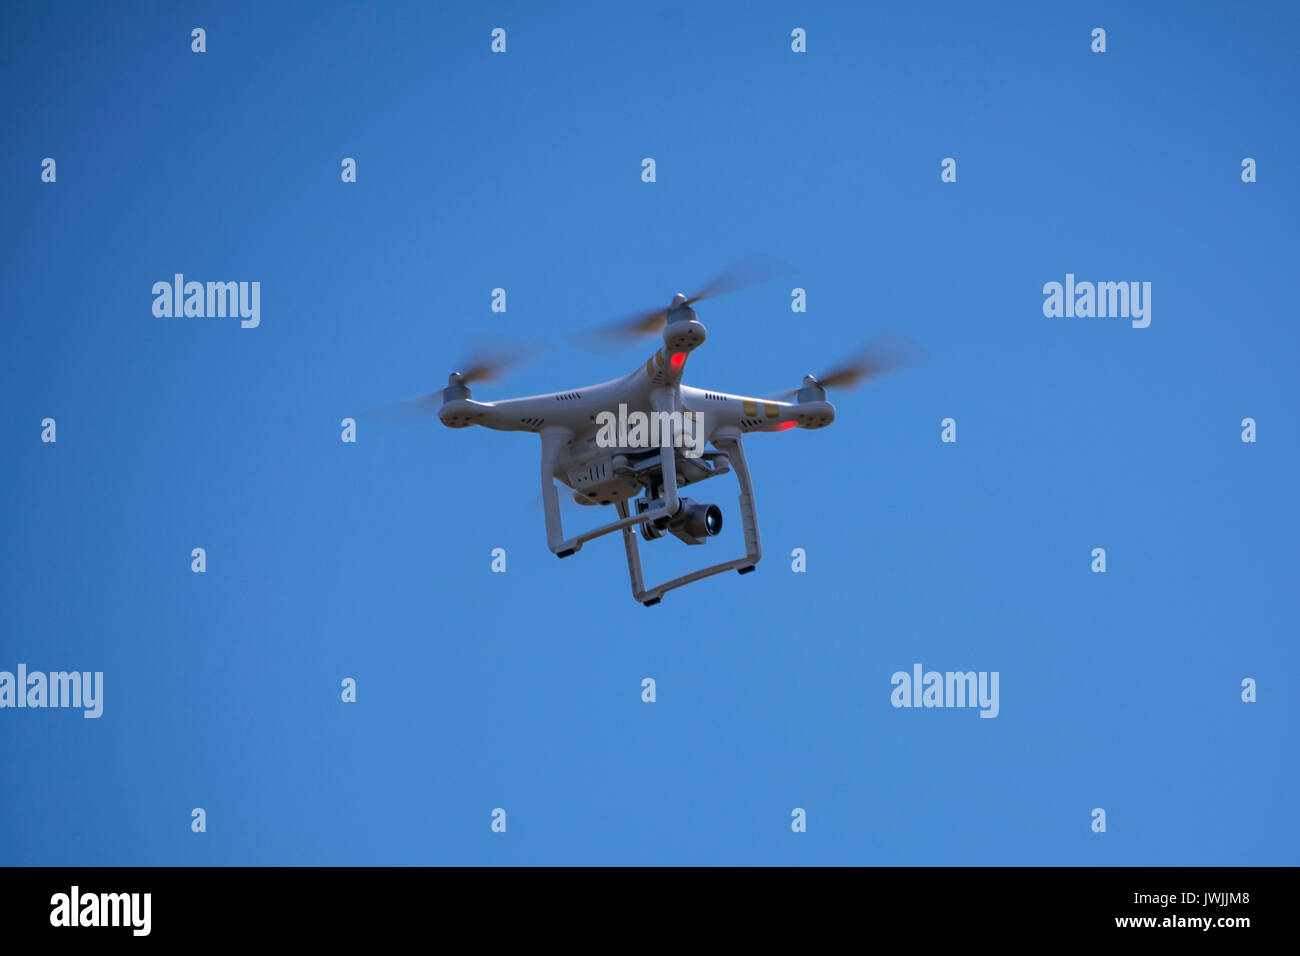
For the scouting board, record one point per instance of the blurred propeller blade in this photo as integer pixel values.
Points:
(749, 271)
(421, 410)
(622, 332)
(490, 359)
(488, 362)
(887, 352)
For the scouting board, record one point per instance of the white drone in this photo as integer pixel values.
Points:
(642, 478)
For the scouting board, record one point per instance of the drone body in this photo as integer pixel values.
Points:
(642, 479)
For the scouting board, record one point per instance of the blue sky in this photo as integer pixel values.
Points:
(522, 690)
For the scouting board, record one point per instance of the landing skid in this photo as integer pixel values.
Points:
(727, 442)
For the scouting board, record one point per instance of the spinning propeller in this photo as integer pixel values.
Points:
(887, 352)
(488, 362)
(750, 271)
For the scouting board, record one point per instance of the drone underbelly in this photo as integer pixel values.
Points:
(600, 476)
(602, 481)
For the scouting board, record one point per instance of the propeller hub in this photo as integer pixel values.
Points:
(811, 391)
(680, 310)
(456, 388)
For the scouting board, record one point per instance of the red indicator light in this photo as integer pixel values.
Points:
(677, 359)
(786, 426)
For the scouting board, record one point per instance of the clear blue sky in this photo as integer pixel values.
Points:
(522, 690)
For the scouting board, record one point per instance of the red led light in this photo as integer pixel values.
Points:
(786, 426)
(677, 360)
